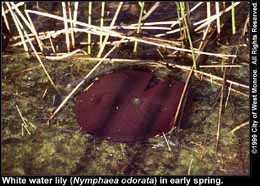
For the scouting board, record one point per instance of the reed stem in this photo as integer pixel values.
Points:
(139, 25)
(18, 26)
(71, 26)
(96, 30)
(218, 17)
(233, 19)
(182, 6)
(24, 124)
(208, 12)
(180, 24)
(5, 19)
(111, 25)
(89, 22)
(75, 13)
(102, 22)
(141, 4)
(64, 11)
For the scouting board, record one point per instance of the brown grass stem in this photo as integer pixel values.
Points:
(119, 35)
(102, 22)
(89, 23)
(111, 25)
(220, 110)
(18, 27)
(65, 20)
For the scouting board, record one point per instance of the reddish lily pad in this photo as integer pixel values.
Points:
(128, 106)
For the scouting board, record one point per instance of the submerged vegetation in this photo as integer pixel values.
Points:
(56, 49)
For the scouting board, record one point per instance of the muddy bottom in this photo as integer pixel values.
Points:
(61, 148)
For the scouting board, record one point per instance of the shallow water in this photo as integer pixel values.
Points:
(61, 149)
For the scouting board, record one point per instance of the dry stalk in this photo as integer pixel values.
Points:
(81, 83)
(220, 109)
(65, 55)
(18, 24)
(5, 18)
(16, 5)
(75, 13)
(203, 23)
(167, 143)
(111, 25)
(64, 12)
(71, 25)
(89, 23)
(244, 124)
(131, 38)
(33, 30)
(218, 17)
